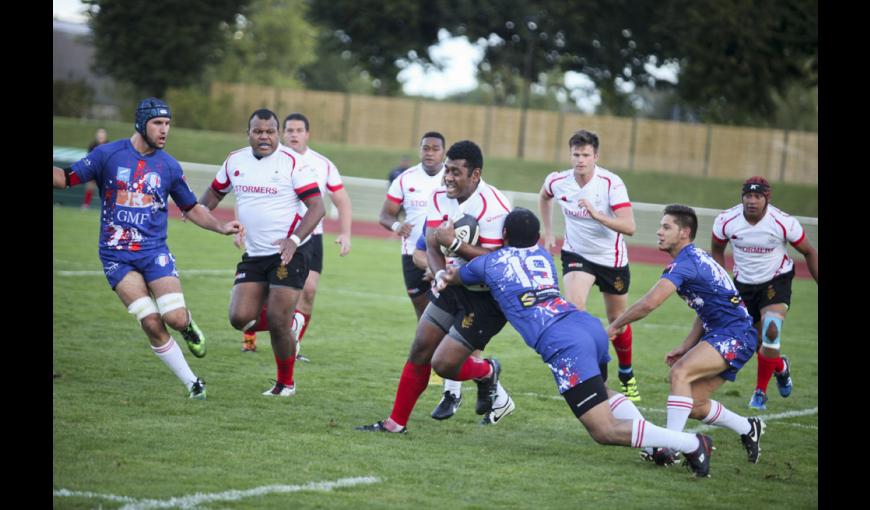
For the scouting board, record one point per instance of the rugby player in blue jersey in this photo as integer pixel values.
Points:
(135, 178)
(722, 338)
(523, 280)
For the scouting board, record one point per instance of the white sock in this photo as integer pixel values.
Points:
(502, 397)
(679, 409)
(646, 434)
(452, 386)
(173, 357)
(623, 408)
(721, 417)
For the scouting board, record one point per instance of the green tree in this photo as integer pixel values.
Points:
(161, 43)
(268, 46)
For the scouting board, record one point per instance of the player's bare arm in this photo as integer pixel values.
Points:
(210, 198)
(202, 217)
(389, 218)
(812, 257)
(316, 211)
(434, 256)
(691, 339)
(449, 276)
(545, 205)
(653, 299)
(341, 199)
(717, 250)
(622, 222)
(59, 177)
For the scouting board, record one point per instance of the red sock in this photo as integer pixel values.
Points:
(262, 323)
(285, 370)
(89, 194)
(780, 365)
(412, 384)
(305, 326)
(622, 345)
(765, 370)
(473, 368)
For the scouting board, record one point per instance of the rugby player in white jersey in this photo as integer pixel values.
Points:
(763, 272)
(271, 186)
(598, 216)
(459, 320)
(295, 135)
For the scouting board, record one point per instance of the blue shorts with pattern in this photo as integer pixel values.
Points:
(735, 346)
(151, 264)
(574, 347)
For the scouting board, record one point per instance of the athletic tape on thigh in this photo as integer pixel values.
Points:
(776, 319)
(168, 302)
(142, 307)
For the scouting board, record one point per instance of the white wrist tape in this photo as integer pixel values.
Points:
(295, 239)
(397, 225)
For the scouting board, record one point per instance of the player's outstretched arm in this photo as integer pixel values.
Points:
(545, 206)
(59, 177)
(622, 221)
(202, 217)
(812, 257)
(341, 199)
(653, 299)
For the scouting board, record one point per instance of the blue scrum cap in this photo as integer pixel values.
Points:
(148, 109)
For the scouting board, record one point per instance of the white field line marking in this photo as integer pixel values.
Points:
(765, 417)
(193, 501)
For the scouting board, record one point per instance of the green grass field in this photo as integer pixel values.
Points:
(125, 435)
(212, 147)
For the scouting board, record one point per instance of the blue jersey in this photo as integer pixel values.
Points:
(135, 190)
(708, 290)
(525, 284)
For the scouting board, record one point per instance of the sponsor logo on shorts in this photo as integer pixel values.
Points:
(770, 292)
(468, 321)
(281, 273)
(111, 268)
(575, 265)
(413, 290)
(239, 276)
(162, 260)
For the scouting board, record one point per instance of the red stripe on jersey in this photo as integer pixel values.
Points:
(391, 198)
(616, 247)
(608, 182)
(304, 189)
(309, 193)
(334, 188)
(433, 223)
(620, 206)
(719, 241)
(799, 241)
(498, 199)
(784, 234)
(74, 178)
(296, 220)
(724, 235)
(550, 185)
(291, 157)
(479, 216)
(435, 200)
(216, 186)
(486, 240)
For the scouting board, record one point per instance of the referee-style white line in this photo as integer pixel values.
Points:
(194, 500)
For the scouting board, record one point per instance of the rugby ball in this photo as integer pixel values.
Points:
(467, 230)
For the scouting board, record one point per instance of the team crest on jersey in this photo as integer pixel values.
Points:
(152, 180)
(770, 292)
(618, 284)
(282, 272)
(123, 175)
(468, 321)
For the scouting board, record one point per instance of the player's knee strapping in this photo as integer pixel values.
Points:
(774, 319)
(169, 302)
(142, 307)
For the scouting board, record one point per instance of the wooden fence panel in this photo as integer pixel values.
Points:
(454, 121)
(614, 137)
(738, 153)
(671, 147)
(802, 158)
(380, 121)
(542, 127)
(325, 111)
(504, 134)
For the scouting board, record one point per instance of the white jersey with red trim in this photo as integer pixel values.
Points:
(412, 189)
(328, 177)
(759, 250)
(487, 204)
(583, 235)
(267, 195)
